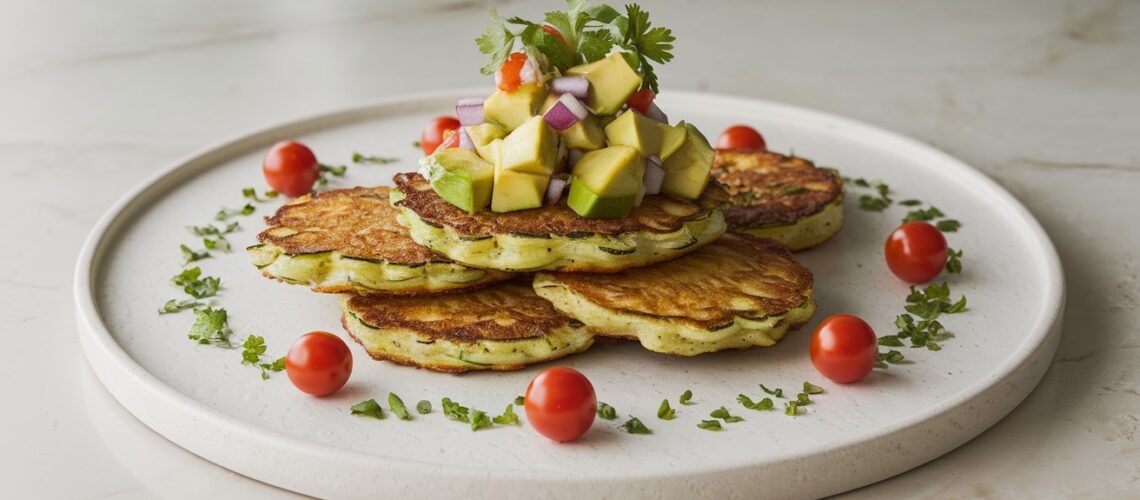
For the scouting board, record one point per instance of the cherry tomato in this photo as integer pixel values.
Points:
(291, 168)
(741, 137)
(318, 363)
(433, 134)
(844, 348)
(641, 100)
(916, 252)
(508, 78)
(560, 404)
(552, 31)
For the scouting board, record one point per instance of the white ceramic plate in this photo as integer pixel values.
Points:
(205, 400)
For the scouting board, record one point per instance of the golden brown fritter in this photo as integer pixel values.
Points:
(769, 188)
(657, 213)
(358, 223)
(736, 276)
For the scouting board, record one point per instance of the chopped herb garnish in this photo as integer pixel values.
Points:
(910, 203)
(189, 255)
(953, 261)
(330, 170)
(252, 349)
(762, 405)
(664, 412)
(892, 357)
(397, 406)
(791, 408)
(194, 285)
(423, 407)
(479, 420)
(803, 399)
(220, 244)
(176, 306)
(606, 411)
(686, 397)
(634, 426)
(811, 388)
(212, 230)
(861, 182)
(873, 204)
(928, 214)
(225, 213)
(210, 327)
(778, 392)
(251, 194)
(519, 401)
(723, 414)
(710, 425)
(378, 160)
(278, 365)
(508, 417)
(455, 411)
(369, 408)
(948, 225)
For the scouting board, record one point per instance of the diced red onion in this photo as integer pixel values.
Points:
(529, 72)
(565, 113)
(573, 156)
(577, 86)
(655, 113)
(654, 175)
(465, 141)
(554, 190)
(469, 111)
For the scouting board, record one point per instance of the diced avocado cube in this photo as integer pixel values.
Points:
(532, 148)
(511, 109)
(612, 81)
(672, 137)
(460, 177)
(518, 190)
(586, 135)
(635, 130)
(482, 135)
(687, 170)
(615, 171)
(586, 203)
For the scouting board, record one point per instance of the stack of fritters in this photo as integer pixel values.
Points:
(430, 285)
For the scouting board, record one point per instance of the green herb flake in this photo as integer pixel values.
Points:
(686, 398)
(792, 408)
(225, 213)
(778, 392)
(924, 215)
(210, 327)
(606, 411)
(803, 399)
(508, 417)
(252, 349)
(369, 408)
(665, 412)
(710, 425)
(910, 203)
(397, 406)
(176, 306)
(723, 414)
(277, 365)
(634, 426)
(479, 420)
(189, 255)
(520, 401)
(762, 405)
(423, 407)
(811, 388)
(195, 285)
(455, 411)
(948, 225)
(251, 194)
(872, 204)
(357, 157)
(220, 244)
(954, 261)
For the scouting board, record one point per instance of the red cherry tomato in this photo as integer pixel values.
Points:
(844, 348)
(560, 404)
(552, 31)
(318, 363)
(741, 137)
(641, 100)
(916, 252)
(508, 78)
(291, 168)
(433, 134)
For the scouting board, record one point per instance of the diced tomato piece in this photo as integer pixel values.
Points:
(641, 100)
(508, 77)
(552, 31)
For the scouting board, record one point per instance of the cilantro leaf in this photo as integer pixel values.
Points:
(252, 349)
(723, 414)
(196, 286)
(792, 408)
(397, 406)
(277, 365)
(508, 417)
(175, 306)
(634, 426)
(519, 401)
(594, 45)
(664, 412)
(710, 425)
(220, 244)
(954, 261)
(455, 411)
(496, 41)
(189, 255)
(210, 327)
(811, 388)
(606, 411)
(778, 392)
(369, 408)
(225, 213)
(479, 420)
(948, 225)
(251, 194)
(357, 157)
(686, 397)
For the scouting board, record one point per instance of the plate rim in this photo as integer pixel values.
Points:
(114, 366)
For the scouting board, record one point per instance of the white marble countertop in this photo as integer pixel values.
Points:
(1042, 96)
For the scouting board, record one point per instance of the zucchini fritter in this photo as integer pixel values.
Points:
(504, 327)
(556, 238)
(737, 292)
(348, 241)
(785, 198)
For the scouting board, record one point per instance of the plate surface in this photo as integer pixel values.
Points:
(205, 400)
